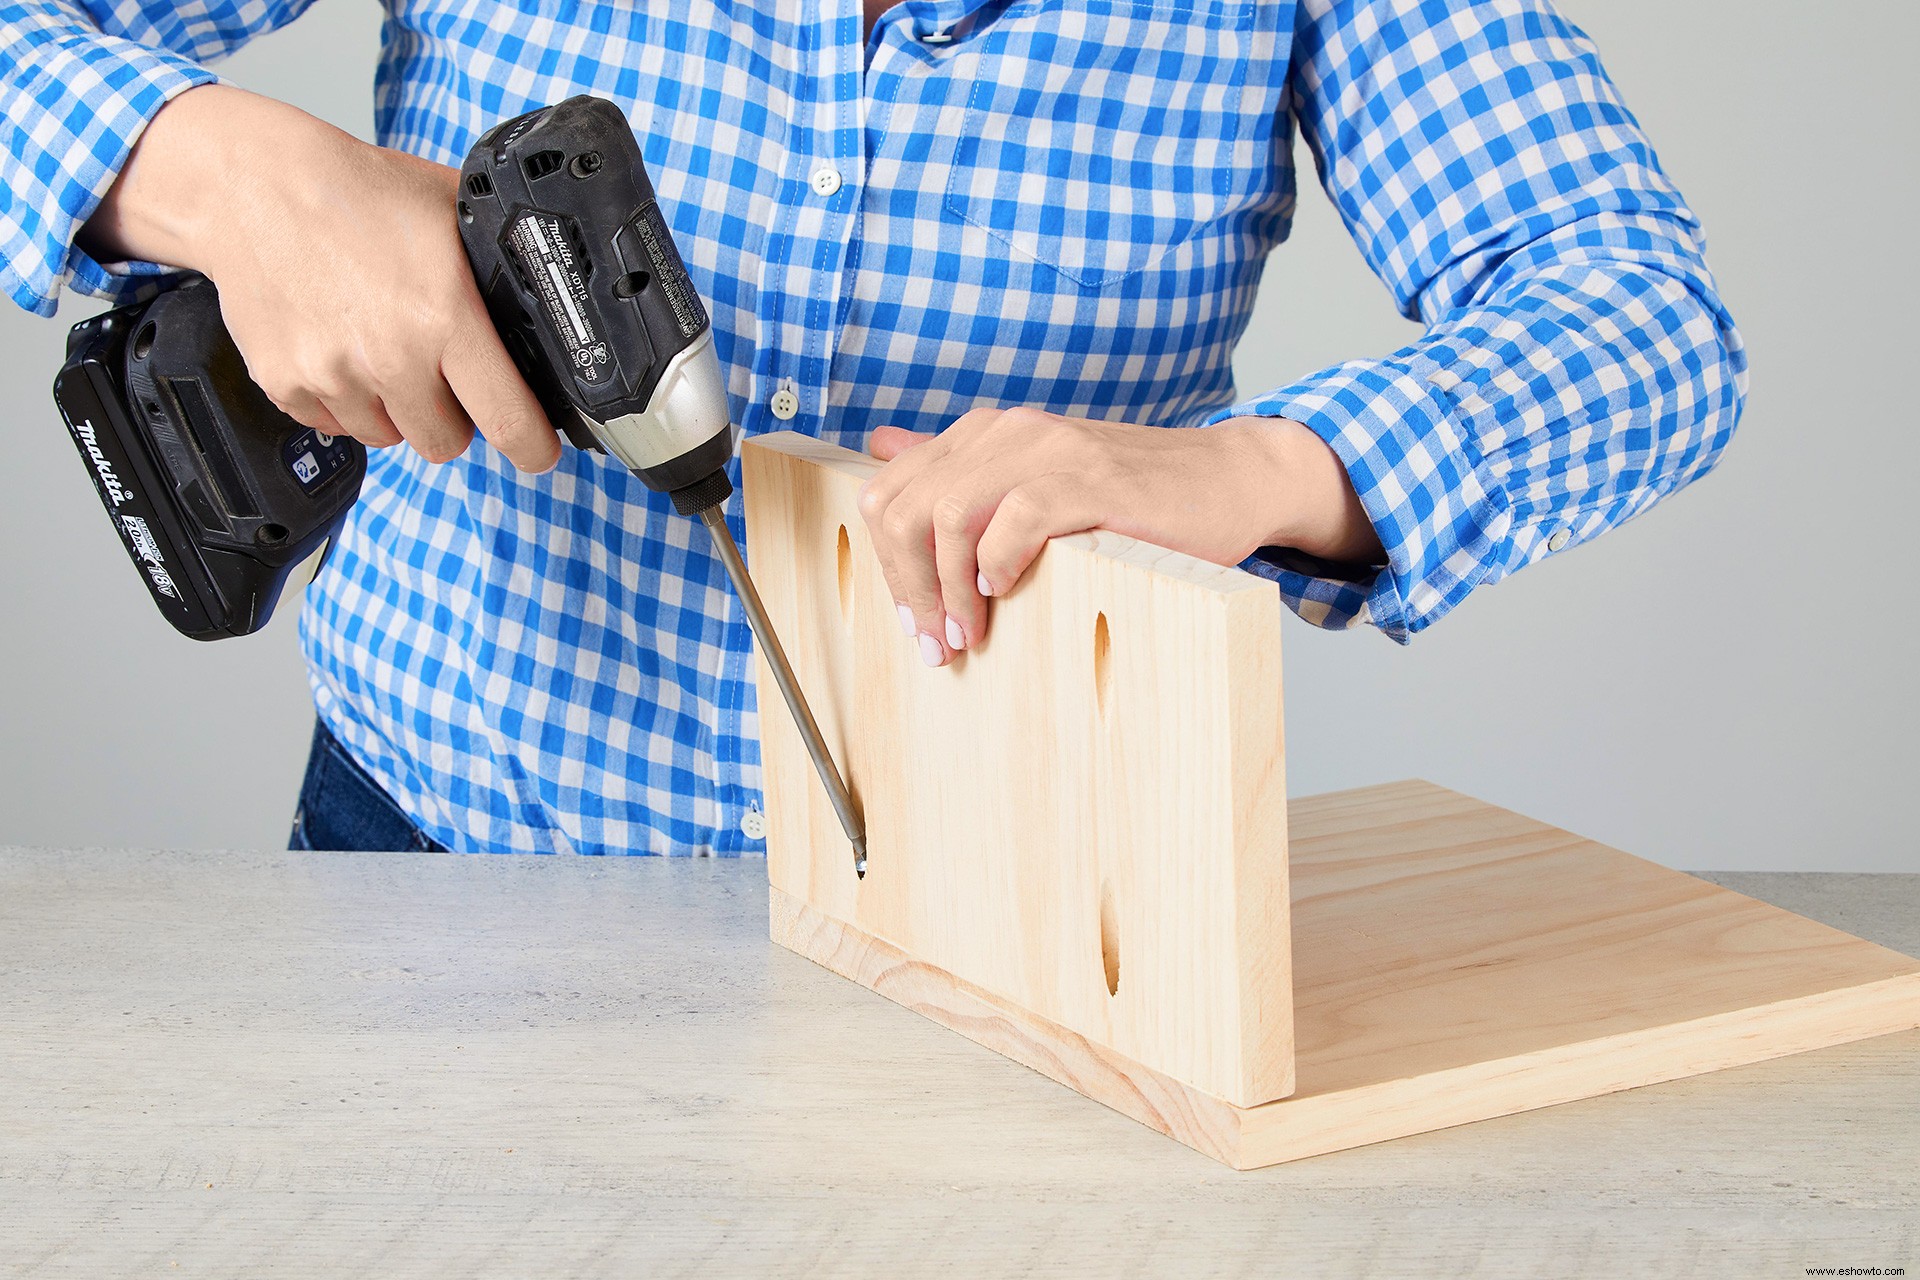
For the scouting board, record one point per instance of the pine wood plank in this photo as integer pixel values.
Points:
(1508, 966)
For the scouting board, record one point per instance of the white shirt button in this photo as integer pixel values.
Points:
(784, 404)
(1558, 540)
(826, 180)
(753, 825)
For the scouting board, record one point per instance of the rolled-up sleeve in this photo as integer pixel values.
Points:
(78, 84)
(1578, 363)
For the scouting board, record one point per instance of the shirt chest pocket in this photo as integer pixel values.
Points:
(1100, 134)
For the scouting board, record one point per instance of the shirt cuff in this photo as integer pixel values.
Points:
(1440, 516)
(77, 100)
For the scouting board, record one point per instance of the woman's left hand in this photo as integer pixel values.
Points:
(957, 517)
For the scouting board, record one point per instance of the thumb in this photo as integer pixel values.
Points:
(888, 443)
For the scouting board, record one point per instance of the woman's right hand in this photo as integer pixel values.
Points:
(340, 270)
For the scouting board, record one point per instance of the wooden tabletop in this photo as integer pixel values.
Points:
(245, 1064)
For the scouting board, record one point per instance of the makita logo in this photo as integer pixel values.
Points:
(104, 469)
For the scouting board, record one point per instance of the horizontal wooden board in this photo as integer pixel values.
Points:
(1457, 962)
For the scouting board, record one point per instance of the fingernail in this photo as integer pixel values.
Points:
(986, 588)
(907, 625)
(929, 650)
(956, 638)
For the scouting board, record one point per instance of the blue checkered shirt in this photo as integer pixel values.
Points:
(1060, 203)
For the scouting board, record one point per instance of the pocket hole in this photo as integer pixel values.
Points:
(1109, 938)
(143, 341)
(631, 285)
(843, 555)
(1102, 664)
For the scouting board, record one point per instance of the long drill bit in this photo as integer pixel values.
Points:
(715, 518)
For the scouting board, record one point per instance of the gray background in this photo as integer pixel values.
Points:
(1723, 683)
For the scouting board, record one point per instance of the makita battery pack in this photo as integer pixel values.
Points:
(216, 494)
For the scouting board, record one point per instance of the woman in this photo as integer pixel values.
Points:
(1005, 245)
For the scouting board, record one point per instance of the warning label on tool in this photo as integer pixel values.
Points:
(670, 272)
(551, 267)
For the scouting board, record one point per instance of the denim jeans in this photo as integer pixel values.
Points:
(342, 808)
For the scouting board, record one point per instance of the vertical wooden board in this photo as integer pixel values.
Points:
(1262, 893)
(1097, 790)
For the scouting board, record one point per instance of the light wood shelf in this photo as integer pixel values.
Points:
(1082, 857)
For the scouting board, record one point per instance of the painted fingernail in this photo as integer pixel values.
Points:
(986, 588)
(929, 650)
(907, 626)
(956, 638)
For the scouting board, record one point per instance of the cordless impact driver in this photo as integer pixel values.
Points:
(218, 496)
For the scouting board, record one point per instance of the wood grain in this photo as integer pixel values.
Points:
(1092, 799)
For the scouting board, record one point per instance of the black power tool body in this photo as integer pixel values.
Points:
(589, 293)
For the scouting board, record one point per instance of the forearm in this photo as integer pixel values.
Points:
(198, 168)
(80, 82)
(1295, 490)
